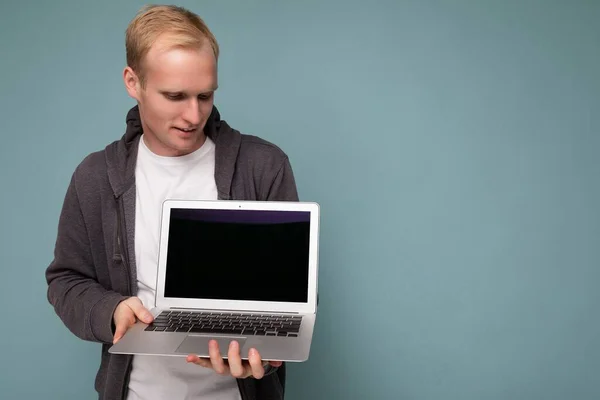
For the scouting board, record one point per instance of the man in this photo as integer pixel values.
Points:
(103, 275)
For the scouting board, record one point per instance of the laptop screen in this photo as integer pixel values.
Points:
(255, 255)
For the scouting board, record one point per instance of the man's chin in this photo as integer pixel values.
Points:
(184, 146)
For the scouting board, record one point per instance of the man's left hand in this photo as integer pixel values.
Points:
(234, 366)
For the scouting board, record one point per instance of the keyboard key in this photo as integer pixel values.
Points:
(201, 330)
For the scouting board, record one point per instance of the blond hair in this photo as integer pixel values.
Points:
(180, 27)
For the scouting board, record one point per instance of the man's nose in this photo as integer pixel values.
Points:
(192, 112)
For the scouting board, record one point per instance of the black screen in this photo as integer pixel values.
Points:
(238, 255)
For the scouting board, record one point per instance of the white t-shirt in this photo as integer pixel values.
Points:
(157, 179)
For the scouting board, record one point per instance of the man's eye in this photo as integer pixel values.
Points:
(204, 96)
(174, 97)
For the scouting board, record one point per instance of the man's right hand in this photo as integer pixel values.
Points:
(127, 313)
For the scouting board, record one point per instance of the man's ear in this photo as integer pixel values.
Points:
(132, 83)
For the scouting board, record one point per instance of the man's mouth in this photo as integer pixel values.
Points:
(187, 130)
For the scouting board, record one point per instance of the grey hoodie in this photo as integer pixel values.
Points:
(94, 266)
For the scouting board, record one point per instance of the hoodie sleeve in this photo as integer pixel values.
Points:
(283, 187)
(84, 306)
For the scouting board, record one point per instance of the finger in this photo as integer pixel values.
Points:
(192, 358)
(123, 319)
(215, 358)
(235, 360)
(276, 364)
(140, 311)
(258, 371)
(120, 330)
(203, 362)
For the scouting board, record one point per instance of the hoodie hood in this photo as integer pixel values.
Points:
(121, 155)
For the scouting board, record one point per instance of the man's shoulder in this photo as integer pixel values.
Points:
(92, 169)
(270, 167)
(256, 148)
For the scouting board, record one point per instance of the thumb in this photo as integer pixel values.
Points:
(140, 311)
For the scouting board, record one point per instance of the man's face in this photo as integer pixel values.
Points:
(177, 99)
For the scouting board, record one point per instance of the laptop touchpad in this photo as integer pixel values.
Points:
(198, 345)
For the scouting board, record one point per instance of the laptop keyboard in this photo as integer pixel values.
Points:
(226, 323)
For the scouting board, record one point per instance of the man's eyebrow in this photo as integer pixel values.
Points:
(213, 89)
(181, 92)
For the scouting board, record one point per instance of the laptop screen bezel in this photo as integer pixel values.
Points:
(307, 307)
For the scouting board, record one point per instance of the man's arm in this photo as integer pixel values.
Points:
(283, 187)
(84, 306)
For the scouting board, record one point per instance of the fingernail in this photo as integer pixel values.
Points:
(253, 352)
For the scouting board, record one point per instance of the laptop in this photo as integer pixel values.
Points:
(233, 270)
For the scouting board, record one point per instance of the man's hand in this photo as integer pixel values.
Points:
(234, 365)
(126, 314)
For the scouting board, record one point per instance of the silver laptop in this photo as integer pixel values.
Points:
(233, 270)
